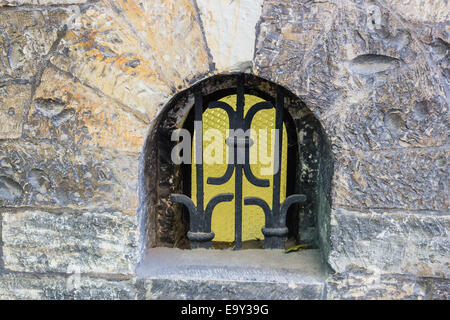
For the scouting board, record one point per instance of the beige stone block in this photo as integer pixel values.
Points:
(66, 110)
(171, 34)
(26, 38)
(14, 3)
(14, 101)
(230, 29)
(68, 242)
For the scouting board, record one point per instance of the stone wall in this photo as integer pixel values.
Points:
(82, 81)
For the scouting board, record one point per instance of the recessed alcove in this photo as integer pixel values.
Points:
(309, 172)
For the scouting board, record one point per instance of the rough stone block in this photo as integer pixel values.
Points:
(26, 38)
(400, 115)
(118, 49)
(421, 11)
(439, 289)
(408, 179)
(358, 68)
(165, 289)
(101, 50)
(14, 3)
(228, 274)
(14, 102)
(70, 113)
(51, 175)
(66, 242)
(229, 28)
(22, 286)
(359, 285)
(390, 242)
(171, 32)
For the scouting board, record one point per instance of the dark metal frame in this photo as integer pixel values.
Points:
(275, 229)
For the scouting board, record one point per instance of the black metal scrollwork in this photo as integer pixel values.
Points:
(275, 230)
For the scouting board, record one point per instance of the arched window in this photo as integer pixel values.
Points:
(245, 184)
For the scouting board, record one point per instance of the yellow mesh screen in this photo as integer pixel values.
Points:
(215, 154)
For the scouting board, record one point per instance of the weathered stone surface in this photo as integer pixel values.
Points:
(390, 242)
(422, 10)
(414, 179)
(98, 49)
(283, 36)
(22, 286)
(52, 175)
(65, 241)
(360, 69)
(370, 125)
(229, 290)
(66, 111)
(172, 35)
(376, 74)
(361, 285)
(116, 48)
(26, 37)
(228, 274)
(10, 190)
(440, 289)
(14, 102)
(230, 32)
(287, 36)
(39, 2)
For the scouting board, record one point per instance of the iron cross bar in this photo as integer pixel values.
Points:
(275, 230)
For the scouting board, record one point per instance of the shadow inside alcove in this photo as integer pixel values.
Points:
(309, 169)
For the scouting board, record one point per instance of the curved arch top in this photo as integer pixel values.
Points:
(166, 222)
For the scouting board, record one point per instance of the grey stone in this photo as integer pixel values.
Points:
(53, 175)
(229, 274)
(439, 289)
(63, 241)
(14, 103)
(23, 286)
(10, 190)
(408, 179)
(313, 48)
(26, 39)
(368, 64)
(171, 289)
(390, 242)
(360, 285)
(49, 107)
(63, 117)
(39, 180)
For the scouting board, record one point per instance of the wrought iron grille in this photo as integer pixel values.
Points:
(275, 230)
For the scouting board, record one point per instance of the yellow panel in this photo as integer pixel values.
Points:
(222, 223)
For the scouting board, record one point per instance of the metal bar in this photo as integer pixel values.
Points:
(199, 150)
(295, 198)
(277, 157)
(238, 203)
(238, 123)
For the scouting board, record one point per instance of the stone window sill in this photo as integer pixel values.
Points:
(227, 274)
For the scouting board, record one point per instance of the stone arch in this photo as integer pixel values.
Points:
(164, 224)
